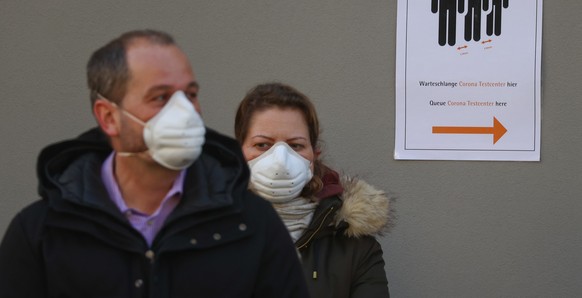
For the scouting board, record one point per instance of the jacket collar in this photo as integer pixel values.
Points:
(366, 209)
(351, 207)
(69, 175)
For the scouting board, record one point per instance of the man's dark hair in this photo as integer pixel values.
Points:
(107, 69)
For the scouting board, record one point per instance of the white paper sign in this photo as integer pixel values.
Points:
(468, 80)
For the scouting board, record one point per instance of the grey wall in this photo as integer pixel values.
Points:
(465, 229)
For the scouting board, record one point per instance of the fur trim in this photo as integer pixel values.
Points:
(365, 209)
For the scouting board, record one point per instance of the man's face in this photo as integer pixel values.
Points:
(156, 72)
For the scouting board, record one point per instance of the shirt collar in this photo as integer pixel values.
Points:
(114, 192)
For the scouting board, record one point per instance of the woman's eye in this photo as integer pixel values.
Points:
(296, 147)
(263, 146)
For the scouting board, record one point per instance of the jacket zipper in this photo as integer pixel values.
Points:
(317, 230)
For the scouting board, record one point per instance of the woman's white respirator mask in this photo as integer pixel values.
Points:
(280, 173)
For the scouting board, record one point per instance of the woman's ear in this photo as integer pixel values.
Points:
(317, 152)
(108, 119)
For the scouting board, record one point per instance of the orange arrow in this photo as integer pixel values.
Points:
(498, 130)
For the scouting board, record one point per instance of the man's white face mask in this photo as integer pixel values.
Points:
(280, 173)
(175, 135)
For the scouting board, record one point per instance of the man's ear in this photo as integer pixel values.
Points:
(108, 119)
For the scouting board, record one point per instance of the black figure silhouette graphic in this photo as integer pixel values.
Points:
(447, 10)
(494, 17)
(473, 19)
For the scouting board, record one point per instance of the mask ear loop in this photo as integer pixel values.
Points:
(124, 111)
(134, 118)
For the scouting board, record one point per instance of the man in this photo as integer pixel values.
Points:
(152, 204)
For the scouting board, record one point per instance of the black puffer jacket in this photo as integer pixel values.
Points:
(340, 254)
(221, 240)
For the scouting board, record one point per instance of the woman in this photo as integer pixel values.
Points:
(332, 221)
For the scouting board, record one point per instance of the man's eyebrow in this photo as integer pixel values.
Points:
(192, 84)
(158, 88)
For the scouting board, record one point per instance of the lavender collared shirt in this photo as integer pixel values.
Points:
(147, 225)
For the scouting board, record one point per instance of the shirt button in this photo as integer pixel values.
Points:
(242, 227)
(138, 283)
(216, 236)
(149, 254)
(150, 222)
(193, 241)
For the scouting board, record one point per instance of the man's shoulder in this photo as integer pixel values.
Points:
(225, 153)
(215, 136)
(31, 218)
(35, 209)
(222, 147)
(258, 208)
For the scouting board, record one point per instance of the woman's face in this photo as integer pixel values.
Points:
(273, 125)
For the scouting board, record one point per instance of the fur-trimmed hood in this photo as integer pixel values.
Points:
(366, 209)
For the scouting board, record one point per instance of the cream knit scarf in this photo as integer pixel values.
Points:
(296, 214)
